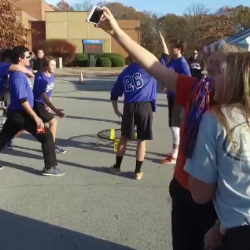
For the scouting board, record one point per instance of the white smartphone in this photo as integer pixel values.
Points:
(95, 15)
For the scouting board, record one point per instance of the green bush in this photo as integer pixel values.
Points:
(103, 62)
(82, 57)
(82, 60)
(129, 60)
(117, 61)
(107, 55)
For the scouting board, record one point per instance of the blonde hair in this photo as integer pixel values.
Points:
(236, 92)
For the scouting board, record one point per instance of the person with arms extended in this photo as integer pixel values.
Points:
(140, 95)
(42, 89)
(190, 221)
(20, 114)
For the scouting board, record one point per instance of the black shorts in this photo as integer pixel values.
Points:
(174, 113)
(42, 112)
(139, 115)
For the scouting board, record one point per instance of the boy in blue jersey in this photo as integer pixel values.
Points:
(20, 114)
(43, 87)
(179, 64)
(140, 95)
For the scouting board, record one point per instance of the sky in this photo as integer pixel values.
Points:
(162, 7)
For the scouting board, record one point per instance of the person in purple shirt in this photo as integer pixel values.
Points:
(5, 69)
(179, 64)
(20, 114)
(140, 95)
(43, 87)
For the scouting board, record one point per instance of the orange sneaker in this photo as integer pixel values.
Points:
(169, 160)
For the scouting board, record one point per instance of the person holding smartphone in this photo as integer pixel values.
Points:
(190, 221)
(43, 87)
(20, 114)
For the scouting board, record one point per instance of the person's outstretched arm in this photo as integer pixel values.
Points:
(147, 60)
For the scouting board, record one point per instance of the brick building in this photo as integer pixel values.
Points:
(72, 26)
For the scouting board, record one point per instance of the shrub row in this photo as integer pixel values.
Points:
(66, 50)
(103, 60)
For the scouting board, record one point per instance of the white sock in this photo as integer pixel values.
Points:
(175, 153)
(176, 140)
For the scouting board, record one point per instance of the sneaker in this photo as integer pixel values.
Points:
(9, 146)
(169, 160)
(53, 172)
(115, 170)
(138, 176)
(59, 150)
(1, 166)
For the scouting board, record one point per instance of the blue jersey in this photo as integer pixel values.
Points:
(180, 66)
(136, 85)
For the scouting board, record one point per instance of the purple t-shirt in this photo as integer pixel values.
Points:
(43, 84)
(20, 88)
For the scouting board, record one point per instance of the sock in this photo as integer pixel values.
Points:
(175, 153)
(118, 162)
(138, 166)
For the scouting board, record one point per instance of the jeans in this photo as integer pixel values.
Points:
(190, 221)
(18, 120)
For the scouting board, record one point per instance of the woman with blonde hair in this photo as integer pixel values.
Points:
(220, 167)
(190, 221)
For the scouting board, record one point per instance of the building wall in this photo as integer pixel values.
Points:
(73, 27)
(45, 8)
(38, 26)
(25, 19)
(131, 28)
(34, 8)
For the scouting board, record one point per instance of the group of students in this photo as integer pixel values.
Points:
(29, 106)
(210, 187)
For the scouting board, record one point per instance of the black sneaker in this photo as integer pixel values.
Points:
(1, 166)
(53, 172)
(115, 170)
(59, 150)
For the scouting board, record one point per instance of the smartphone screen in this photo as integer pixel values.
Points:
(96, 16)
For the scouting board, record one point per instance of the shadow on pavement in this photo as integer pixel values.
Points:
(86, 99)
(92, 119)
(102, 85)
(22, 233)
(105, 149)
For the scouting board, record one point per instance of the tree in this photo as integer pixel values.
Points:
(242, 17)
(217, 26)
(12, 32)
(173, 26)
(87, 5)
(64, 6)
(194, 22)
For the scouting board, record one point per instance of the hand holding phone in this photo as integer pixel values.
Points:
(95, 15)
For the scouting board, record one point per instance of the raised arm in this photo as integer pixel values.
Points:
(146, 59)
(162, 42)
